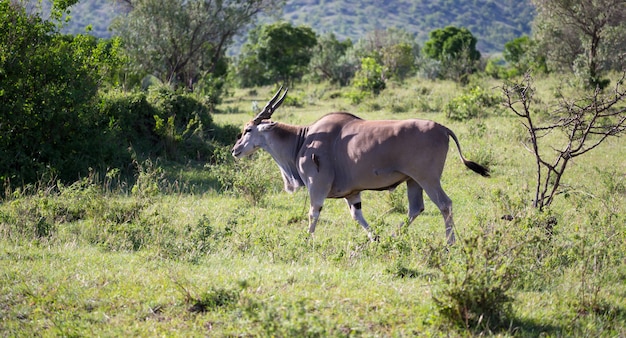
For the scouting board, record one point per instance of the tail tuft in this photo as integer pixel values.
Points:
(477, 168)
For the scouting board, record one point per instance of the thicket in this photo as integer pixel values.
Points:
(48, 83)
(62, 117)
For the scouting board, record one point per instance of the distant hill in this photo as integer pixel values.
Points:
(493, 22)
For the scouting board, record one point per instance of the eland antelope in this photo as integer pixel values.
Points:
(341, 155)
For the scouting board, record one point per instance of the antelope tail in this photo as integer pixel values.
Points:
(475, 167)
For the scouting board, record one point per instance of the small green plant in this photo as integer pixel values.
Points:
(149, 175)
(213, 299)
(294, 100)
(250, 178)
(357, 96)
(397, 201)
(399, 270)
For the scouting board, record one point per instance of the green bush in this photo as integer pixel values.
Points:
(370, 77)
(250, 178)
(161, 123)
(182, 123)
(213, 299)
(475, 292)
(48, 85)
(472, 104)
(357, 96)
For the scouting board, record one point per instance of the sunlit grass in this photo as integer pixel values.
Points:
(188, 257)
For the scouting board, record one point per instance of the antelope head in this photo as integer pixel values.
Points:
(250, 139)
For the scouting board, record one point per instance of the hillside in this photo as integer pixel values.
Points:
(492, 22)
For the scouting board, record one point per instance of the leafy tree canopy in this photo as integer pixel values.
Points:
(278, 52)
(395, 49)
(450, 43)
(181, 41)
(454, 49)
(586, 36)
(329, 61)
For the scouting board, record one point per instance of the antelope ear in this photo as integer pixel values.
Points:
(266, 126)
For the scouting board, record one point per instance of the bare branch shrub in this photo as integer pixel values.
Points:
(584, 122)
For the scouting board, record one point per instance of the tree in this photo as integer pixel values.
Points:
(585, 36)
(182, 41)
(399, 60)
(277, 52)
(395, 49)
(585, 122)
(519, 56)
(329, 61)
(455, 49)
(516, 53)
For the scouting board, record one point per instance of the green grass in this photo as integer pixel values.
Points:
(177, 255)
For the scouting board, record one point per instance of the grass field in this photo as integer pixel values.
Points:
(221, 250)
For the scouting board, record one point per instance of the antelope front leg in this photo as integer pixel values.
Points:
(314, 215)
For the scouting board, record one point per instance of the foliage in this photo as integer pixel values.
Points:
(496, 68)
(182, 123)
(57, 123)
(449, 42)
(369, 78)
(48, 85)
(399, 60)
(182, 42)
(163, 123)
(455, 48)
(213, 299)
(275, 53)
(586, 37)
(250, 178)
(493, 22)
(516, 54)
(395, 49)
(329, 60)
(130, 122)
(476, 102)
(475, 293)
(520, 55)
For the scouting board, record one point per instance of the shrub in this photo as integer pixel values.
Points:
(249, 178)
(370, 77)
(475, 291)
(161, 123)
(130, 123)
(182, 123)
(213, 299)
(472, 104)
(48, 85)
(357, 96)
